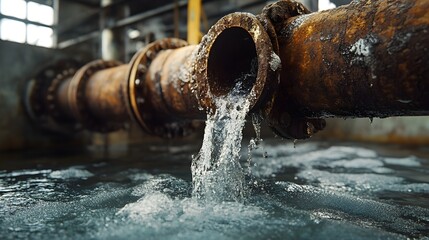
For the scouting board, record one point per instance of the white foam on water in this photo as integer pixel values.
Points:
(71, 173)
(24, 172)
(152, 208)
(158, 207)
(163, 183)
(369, 164)
(349, 181)
(326, 156)
(309, 156)
(163, 211)
(358, 163)
(350, 169)
(411, 161)
(140, 176)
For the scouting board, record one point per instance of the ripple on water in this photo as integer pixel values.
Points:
(332, 192)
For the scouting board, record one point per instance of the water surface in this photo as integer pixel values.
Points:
(316, 190)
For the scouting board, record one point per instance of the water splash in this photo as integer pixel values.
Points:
(216, 172)
(316, 193)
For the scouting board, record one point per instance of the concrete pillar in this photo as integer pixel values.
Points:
(109, 48)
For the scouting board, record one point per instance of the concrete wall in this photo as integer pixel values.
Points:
(18, 63)
(401, 130)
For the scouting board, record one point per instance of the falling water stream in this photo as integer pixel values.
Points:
(216, 171)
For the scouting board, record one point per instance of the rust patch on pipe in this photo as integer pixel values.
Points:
(104, 94)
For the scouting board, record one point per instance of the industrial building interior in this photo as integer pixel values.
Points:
(226, 119)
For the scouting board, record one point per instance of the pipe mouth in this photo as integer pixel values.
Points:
(232, 62)
(237, 52)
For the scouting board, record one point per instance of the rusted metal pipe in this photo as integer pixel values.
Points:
(102, 96)
(94, 96)
(169, 76)
(366, 59)
(43, 94)
(161, 89)
(62, 100)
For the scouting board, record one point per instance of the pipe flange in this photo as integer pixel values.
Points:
(278, 12)
(76, 95)
(139, 106)
(41, 103)
(271, 31)
(51, 96)
(284, 124)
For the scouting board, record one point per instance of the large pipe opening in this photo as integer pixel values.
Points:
(232, 59)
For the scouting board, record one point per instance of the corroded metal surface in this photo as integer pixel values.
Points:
(171, 72)
(105, 94)
(160, 94)
(79, 98)
(366, 59)
(102, 96)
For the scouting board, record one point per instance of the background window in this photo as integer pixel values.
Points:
(40, 13)
(26, 21)
(325, 5)
(13, 8)
(12, 30)
(40, 36)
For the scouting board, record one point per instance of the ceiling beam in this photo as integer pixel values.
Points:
(85, 3)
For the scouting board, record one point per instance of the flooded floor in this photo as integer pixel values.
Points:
(315, 190)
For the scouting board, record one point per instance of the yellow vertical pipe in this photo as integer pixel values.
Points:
(194, 16)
